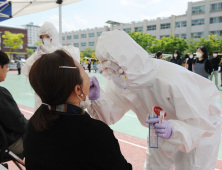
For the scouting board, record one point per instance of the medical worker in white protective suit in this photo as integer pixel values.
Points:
(190, 136)
(50, 43)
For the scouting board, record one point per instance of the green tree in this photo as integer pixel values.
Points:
(220, 43)
(143, 39)
(13, 41)
(192, 45)
(168, 45)
(37, 43)
(211, 43)
(29, 51)
(88, 52)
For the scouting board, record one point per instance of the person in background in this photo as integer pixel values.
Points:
(61, 134)
(186, 56)
(189, 62)
(202, 65)
(89, 66)
(50, 42)
(158, 55)
(19, 66)
(215, 61)
(176, 58)
(12, 120)
(95, 66)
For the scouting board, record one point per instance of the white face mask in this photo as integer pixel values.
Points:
(121, 82)
(46, 41)
(191, 56)
(175, 55)
(198, 54)
(215, 55)
(84, 104)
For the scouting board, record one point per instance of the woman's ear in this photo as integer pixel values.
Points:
(78, 90)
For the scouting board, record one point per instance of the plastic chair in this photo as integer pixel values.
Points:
(6, 155)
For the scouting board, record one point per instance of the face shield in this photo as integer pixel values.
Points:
(110, 70)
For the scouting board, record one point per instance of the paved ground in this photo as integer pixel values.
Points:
(129, 132)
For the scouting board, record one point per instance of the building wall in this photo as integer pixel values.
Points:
(159, 32)
(18, 53)
(33, 34)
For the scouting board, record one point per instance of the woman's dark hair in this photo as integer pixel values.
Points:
(204, 50)
(158, 54)
(53, 85)
(178, 54)
(3, 59)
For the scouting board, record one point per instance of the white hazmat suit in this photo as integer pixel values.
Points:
(190, 101)
(49, 29)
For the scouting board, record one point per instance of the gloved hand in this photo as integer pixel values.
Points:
(40, 49)
(94, 91)
(163, 130)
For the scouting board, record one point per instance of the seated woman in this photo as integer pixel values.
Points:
(61, 134)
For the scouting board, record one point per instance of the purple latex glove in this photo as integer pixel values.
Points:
(163, 130)
(94, 91)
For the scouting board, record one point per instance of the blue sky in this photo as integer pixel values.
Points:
(94, 13)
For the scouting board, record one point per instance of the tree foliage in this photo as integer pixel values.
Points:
(212, 43)
(169, 44)
(29, 51)
(143, 39)
(88, 52)
(38, 43)
(13, 41)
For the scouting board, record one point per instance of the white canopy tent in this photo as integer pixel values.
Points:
(16, 8)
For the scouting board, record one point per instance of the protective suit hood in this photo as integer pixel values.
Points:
(50, 29)
(117, 46)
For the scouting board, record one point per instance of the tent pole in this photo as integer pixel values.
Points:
(60, 23)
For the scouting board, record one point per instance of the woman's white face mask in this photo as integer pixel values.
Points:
(175, 55)
(198, 54)
(215, 55)
(86, 103)
(46, 41)
(191, 56)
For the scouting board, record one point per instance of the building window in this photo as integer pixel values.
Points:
(91, 43)
(5, 46)
(83, 35)
(198, 9)
(197, 35)
(83, 44)
(127, 30)
(63, 38)
(91, 34)
(99, 33)
(138, 29)
(76, 44)
(69, 37)
(177, 35)
(216, 20)
(76, 36)
(198, 22)
(164, 36)
(151, 27)
(165, 26)
(177, 24)
(215, 7)
(184, 24)
(219, 33)
(184, 36)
